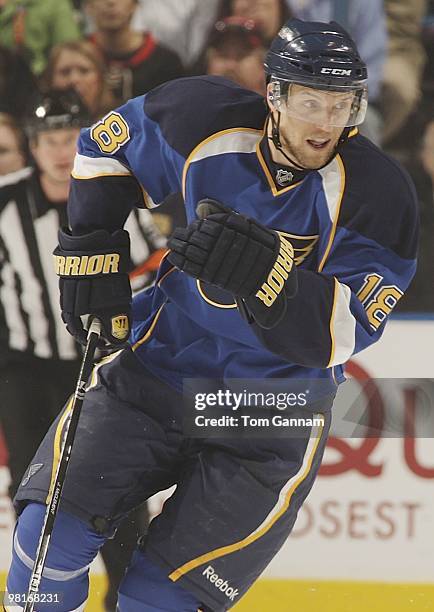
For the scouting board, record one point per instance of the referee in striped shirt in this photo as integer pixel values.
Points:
(39, 359)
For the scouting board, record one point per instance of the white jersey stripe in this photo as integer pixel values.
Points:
(332, 184)
(342, 326)
(92, 167)
(46, 235)
(49, 573)
(31, 298)
(333, 178)
(232, 142)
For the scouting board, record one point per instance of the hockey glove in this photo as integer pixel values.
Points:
(240, 255)
(93, 271)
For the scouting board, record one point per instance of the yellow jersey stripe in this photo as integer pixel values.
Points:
(279, 509)
(57, 444)
(209, 300)
(147, 200)
(166, 274)
(104, 360)
(150, 329)
(159, 311)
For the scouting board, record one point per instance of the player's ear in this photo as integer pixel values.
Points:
(271, 97)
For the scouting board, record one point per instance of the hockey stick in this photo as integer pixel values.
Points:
(62, 466)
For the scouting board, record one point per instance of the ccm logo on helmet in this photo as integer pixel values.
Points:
(336, 71)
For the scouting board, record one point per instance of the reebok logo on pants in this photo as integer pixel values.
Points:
(219, 583)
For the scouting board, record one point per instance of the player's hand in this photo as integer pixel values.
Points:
(93, 271)
(240, 255)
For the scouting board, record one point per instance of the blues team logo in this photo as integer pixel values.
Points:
(31, 472)
(303, 245)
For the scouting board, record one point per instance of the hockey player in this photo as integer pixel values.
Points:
(306, 241)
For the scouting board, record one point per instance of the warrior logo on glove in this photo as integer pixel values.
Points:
(85, 265)
(93, 281)
(239, 255)
(278, 275)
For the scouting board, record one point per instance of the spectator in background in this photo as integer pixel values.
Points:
(80, 65)
(268, 14)
(182, 26)
(16, 81)
(33, 27)
(366, 22)
(12, 146)
(135, 62)
(404, 64)
(420, 296)
(236, 50)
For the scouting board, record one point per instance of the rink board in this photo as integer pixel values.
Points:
(369, 517)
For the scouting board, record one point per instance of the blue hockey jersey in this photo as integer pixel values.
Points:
(353, 225)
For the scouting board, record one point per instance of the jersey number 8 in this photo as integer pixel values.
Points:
(111, 133)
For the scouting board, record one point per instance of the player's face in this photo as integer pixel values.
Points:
(54, 153)
(307, 128)
(73, 69)
(11, 156)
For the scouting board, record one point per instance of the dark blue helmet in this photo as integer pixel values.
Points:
(319, 54)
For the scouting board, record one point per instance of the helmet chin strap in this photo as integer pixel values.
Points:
(275, 139)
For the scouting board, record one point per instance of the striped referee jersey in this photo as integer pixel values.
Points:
(30, 320)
